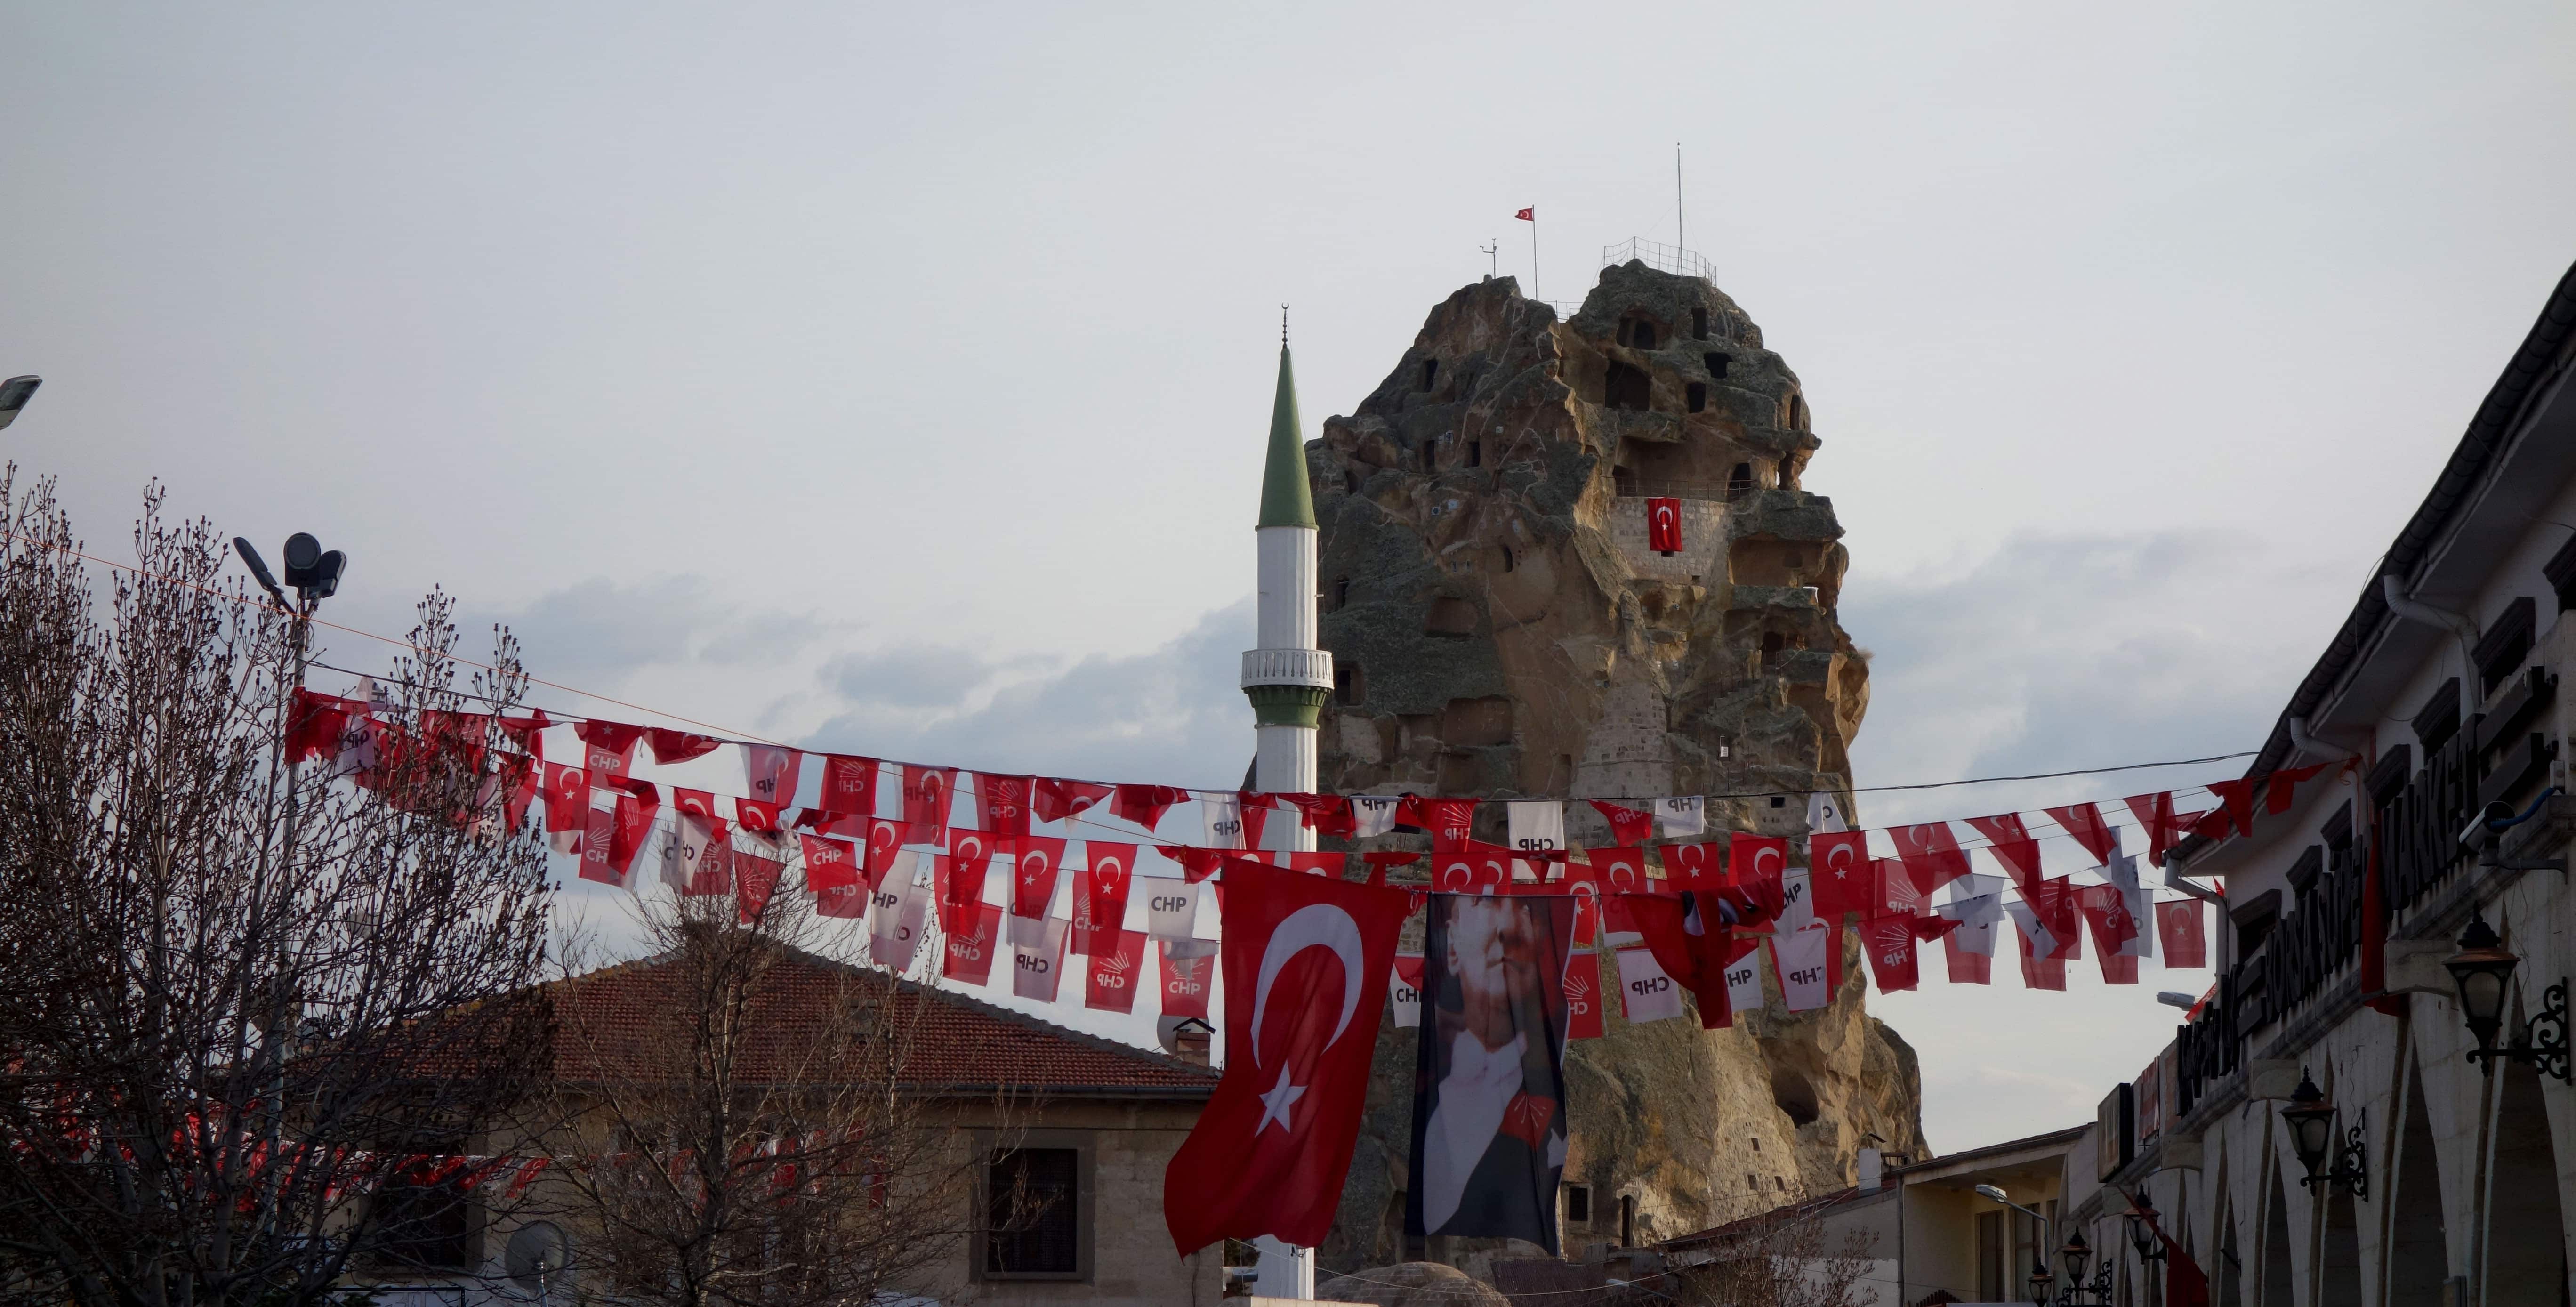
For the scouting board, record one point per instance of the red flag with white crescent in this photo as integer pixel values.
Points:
(1756, 860)
(1100, 895)
(1033, 874)
(2013, 847)
(1055, 800)
(567, 797)
(926, 795)
(1931, 852)
(671, 746)
(753, 815)
(1664, 525)
(1844, 881)
(1306, 966)
(1691, 866)
(2084, 822)
(2178, 931)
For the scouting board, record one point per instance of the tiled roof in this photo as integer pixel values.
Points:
(608, 1020)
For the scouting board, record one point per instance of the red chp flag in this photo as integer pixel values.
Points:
(1185, 981)
(1306, 957)
(1006, 804)
(1582, 995)
(1111, 985)
(832, 872)
(1664, 525)
(849, 785)
(1889, 942)
(1629, 828)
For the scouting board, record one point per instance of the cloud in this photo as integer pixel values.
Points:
(599, 627)
(1174, 714)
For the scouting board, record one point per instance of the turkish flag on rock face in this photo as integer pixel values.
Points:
(1116, 975)
(1006, 804)
(1932, 853)
(1583, 995)
(1100, 895)
(2178, 930)
(1844, 880)
(1628, 827)
(849, 785)
(1187, 980)
(832, 872)
(1306, 965)
(926, 792)
(1664, 525)
(1890, 943)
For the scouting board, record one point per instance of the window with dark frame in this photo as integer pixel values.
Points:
(1341, 591)
(423, 1224)
(1740, 481)
(1033, 1222)
(1578, 1204)
(2439, 719)
(2499, 652)
(2561, 572)
(1348, 687)
(1627, 1220)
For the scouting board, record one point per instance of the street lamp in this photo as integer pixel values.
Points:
(14, 394)
(314, 573)
(2312, 1136)
(2482, 971)
(2142, 1231)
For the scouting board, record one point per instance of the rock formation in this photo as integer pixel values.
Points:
(1500, 628)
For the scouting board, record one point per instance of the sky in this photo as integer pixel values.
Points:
(894, 379)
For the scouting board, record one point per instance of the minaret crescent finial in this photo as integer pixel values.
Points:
(1283, 326)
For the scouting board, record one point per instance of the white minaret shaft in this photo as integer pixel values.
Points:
(1287, 678)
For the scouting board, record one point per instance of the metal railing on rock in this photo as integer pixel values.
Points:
(1659, 256)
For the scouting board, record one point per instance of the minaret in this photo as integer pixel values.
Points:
(1287, 678)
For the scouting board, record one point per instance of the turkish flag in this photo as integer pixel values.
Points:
(1890, 944)
(1006, 803)
(1185, 981)
(567, 797)
(1583, 995)
(1754, 860)
(2236, 799)
(315, 723)
(832, 872)
(753, 815)
(771, 772)
(961, 886)
(1932, 853)
(1145, 804)
(1306, 966)
(1629, 828)
(1477, 868)
(2084, 822)
(1116, 974)
(1100, 895)
(885, 840)
(1254, 811)
(2013, 847)
(849, 785)
(1527, 215)
(1055, 800)
(1844, 880)
(1196, 864)
(2178, 932)
(2156, 813)
(926, 792)
(671, 746)
(1664, 525)
(1691, 866)
(1034, 873)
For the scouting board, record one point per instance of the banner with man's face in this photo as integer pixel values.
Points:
(1489, 1117)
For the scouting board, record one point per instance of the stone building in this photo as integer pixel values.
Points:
(1500, 627)
(2439, 1178)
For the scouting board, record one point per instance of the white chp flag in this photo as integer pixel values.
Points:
(2122, 872)
(1374, 814)
(1404, 994)
(2043, 941)
(1798, 899)
(1744, 982)
(685, 850)
(1171, 907)
(1800, 955)
(1645, 992)
(895, 913)
(1224, 816)
(1037, 969)
(1825, 814)
(1681, 814)
(357, 752)
(1976, 917)
(1537, 825)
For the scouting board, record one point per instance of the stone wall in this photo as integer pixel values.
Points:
(1487, 582)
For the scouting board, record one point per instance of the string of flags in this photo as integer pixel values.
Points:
(902, 845)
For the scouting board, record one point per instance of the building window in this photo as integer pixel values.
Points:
(1699, 324)
(2561, 572)
(1698, 395)
(1739, 481)
(1033, 1216)
(1796, 411)
(1475, 453)
(1990, 1259)
(1349, 687)
(425, 1225)
(1716, 365)
(1341, 591)
(1623, 481)
(1430, 371)
(1578, 1204)
(1627, 1220)
(2439, 719)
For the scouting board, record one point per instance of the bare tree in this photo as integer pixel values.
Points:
(739, 1120)
(1780, 1259)
(232, 1038)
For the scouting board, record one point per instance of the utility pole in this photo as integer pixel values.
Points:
(1493, 257)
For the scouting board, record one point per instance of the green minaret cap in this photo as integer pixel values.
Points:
(1285, 499)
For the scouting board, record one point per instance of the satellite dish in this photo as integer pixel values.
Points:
(1168, 1032)
(536, 1257)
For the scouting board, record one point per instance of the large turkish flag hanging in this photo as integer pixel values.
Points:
(1664, 525)
(1306, 964)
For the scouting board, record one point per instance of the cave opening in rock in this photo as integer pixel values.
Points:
(1794, 1095)
(1475, 453)
(1624, 387)
(1740, 481)
(1716, 365)
(1699, 324)
(1698, 393)
(1430, 371)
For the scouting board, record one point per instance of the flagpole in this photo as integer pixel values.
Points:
(1533, 253)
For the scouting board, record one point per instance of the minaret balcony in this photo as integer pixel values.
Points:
(1307, 667)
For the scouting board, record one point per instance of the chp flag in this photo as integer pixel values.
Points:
(1305, 959)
